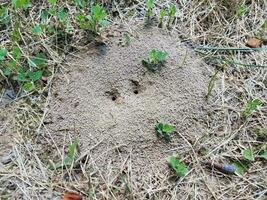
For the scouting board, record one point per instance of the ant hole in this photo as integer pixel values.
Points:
(114, 98)
(136, 91)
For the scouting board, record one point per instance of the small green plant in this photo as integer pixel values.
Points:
(241, 166)
(4, 16)
(162, 14)
(149, 9)
(241, 10)
(178, 166)
(248, 154)
(26, 72)
(69, 158)
(251, 106)
(171, 14)
(163, 131)
(20, 3)
(156, 60)
(95, 21)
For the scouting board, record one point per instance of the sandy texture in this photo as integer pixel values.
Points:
(110, 97)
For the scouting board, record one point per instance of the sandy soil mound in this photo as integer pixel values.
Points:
(115, 102)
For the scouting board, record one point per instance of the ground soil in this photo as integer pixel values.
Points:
(114, 103)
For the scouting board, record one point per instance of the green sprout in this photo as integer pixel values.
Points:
(163, 131)
(69, 158)
(162, 14)
(95, 21)
(156, 60)
(251, 106)
(149, 9)
(241, 10)
(178, 166)
(171, 14)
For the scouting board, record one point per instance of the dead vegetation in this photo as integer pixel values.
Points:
(218, 31)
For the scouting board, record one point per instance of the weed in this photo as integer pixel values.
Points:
(156, 60)
(20, 3)
(95, 21)
(163, 131)
(149, 9)
(251, 106)
(69, 159)
(241, 167)
(241, 10)
(171, 14)
(178, 166)
(162, 14)
(248, 154)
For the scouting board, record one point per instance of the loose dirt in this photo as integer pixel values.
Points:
(114, 103)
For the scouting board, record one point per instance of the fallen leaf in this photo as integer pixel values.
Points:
(72, 196)
(254, 43)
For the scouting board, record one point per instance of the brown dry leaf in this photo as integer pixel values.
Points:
(72, 196)
(254, 43)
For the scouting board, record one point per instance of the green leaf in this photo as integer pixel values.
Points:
(241, 10)
(38, 61)
(80, 3)
(104, 23)
(7, 71)
(162, 13)
(150, 4)
(21, 76)
(53, 2)
(44, 15)
(3, 53)
(167, 128)
(15, 35)
(172, 10)
(29, 86)
(16, 53)
(62, 15)
(52, 11)
(37, 30)
(20, 3)
(34, 76)
(241, 167)
(157, 56)
(248, 154)
(4, 16)
(179, 167)
(98, 13)
(251, 106)
(72, 148)
(68, 160)
(263, 154)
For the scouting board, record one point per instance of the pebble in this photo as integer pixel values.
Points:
(6, 159)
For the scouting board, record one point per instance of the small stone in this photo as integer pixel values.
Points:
(6, 159)
(254, 43)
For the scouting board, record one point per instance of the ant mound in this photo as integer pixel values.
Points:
(114, 103)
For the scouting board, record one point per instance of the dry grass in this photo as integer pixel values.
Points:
(212, 23)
